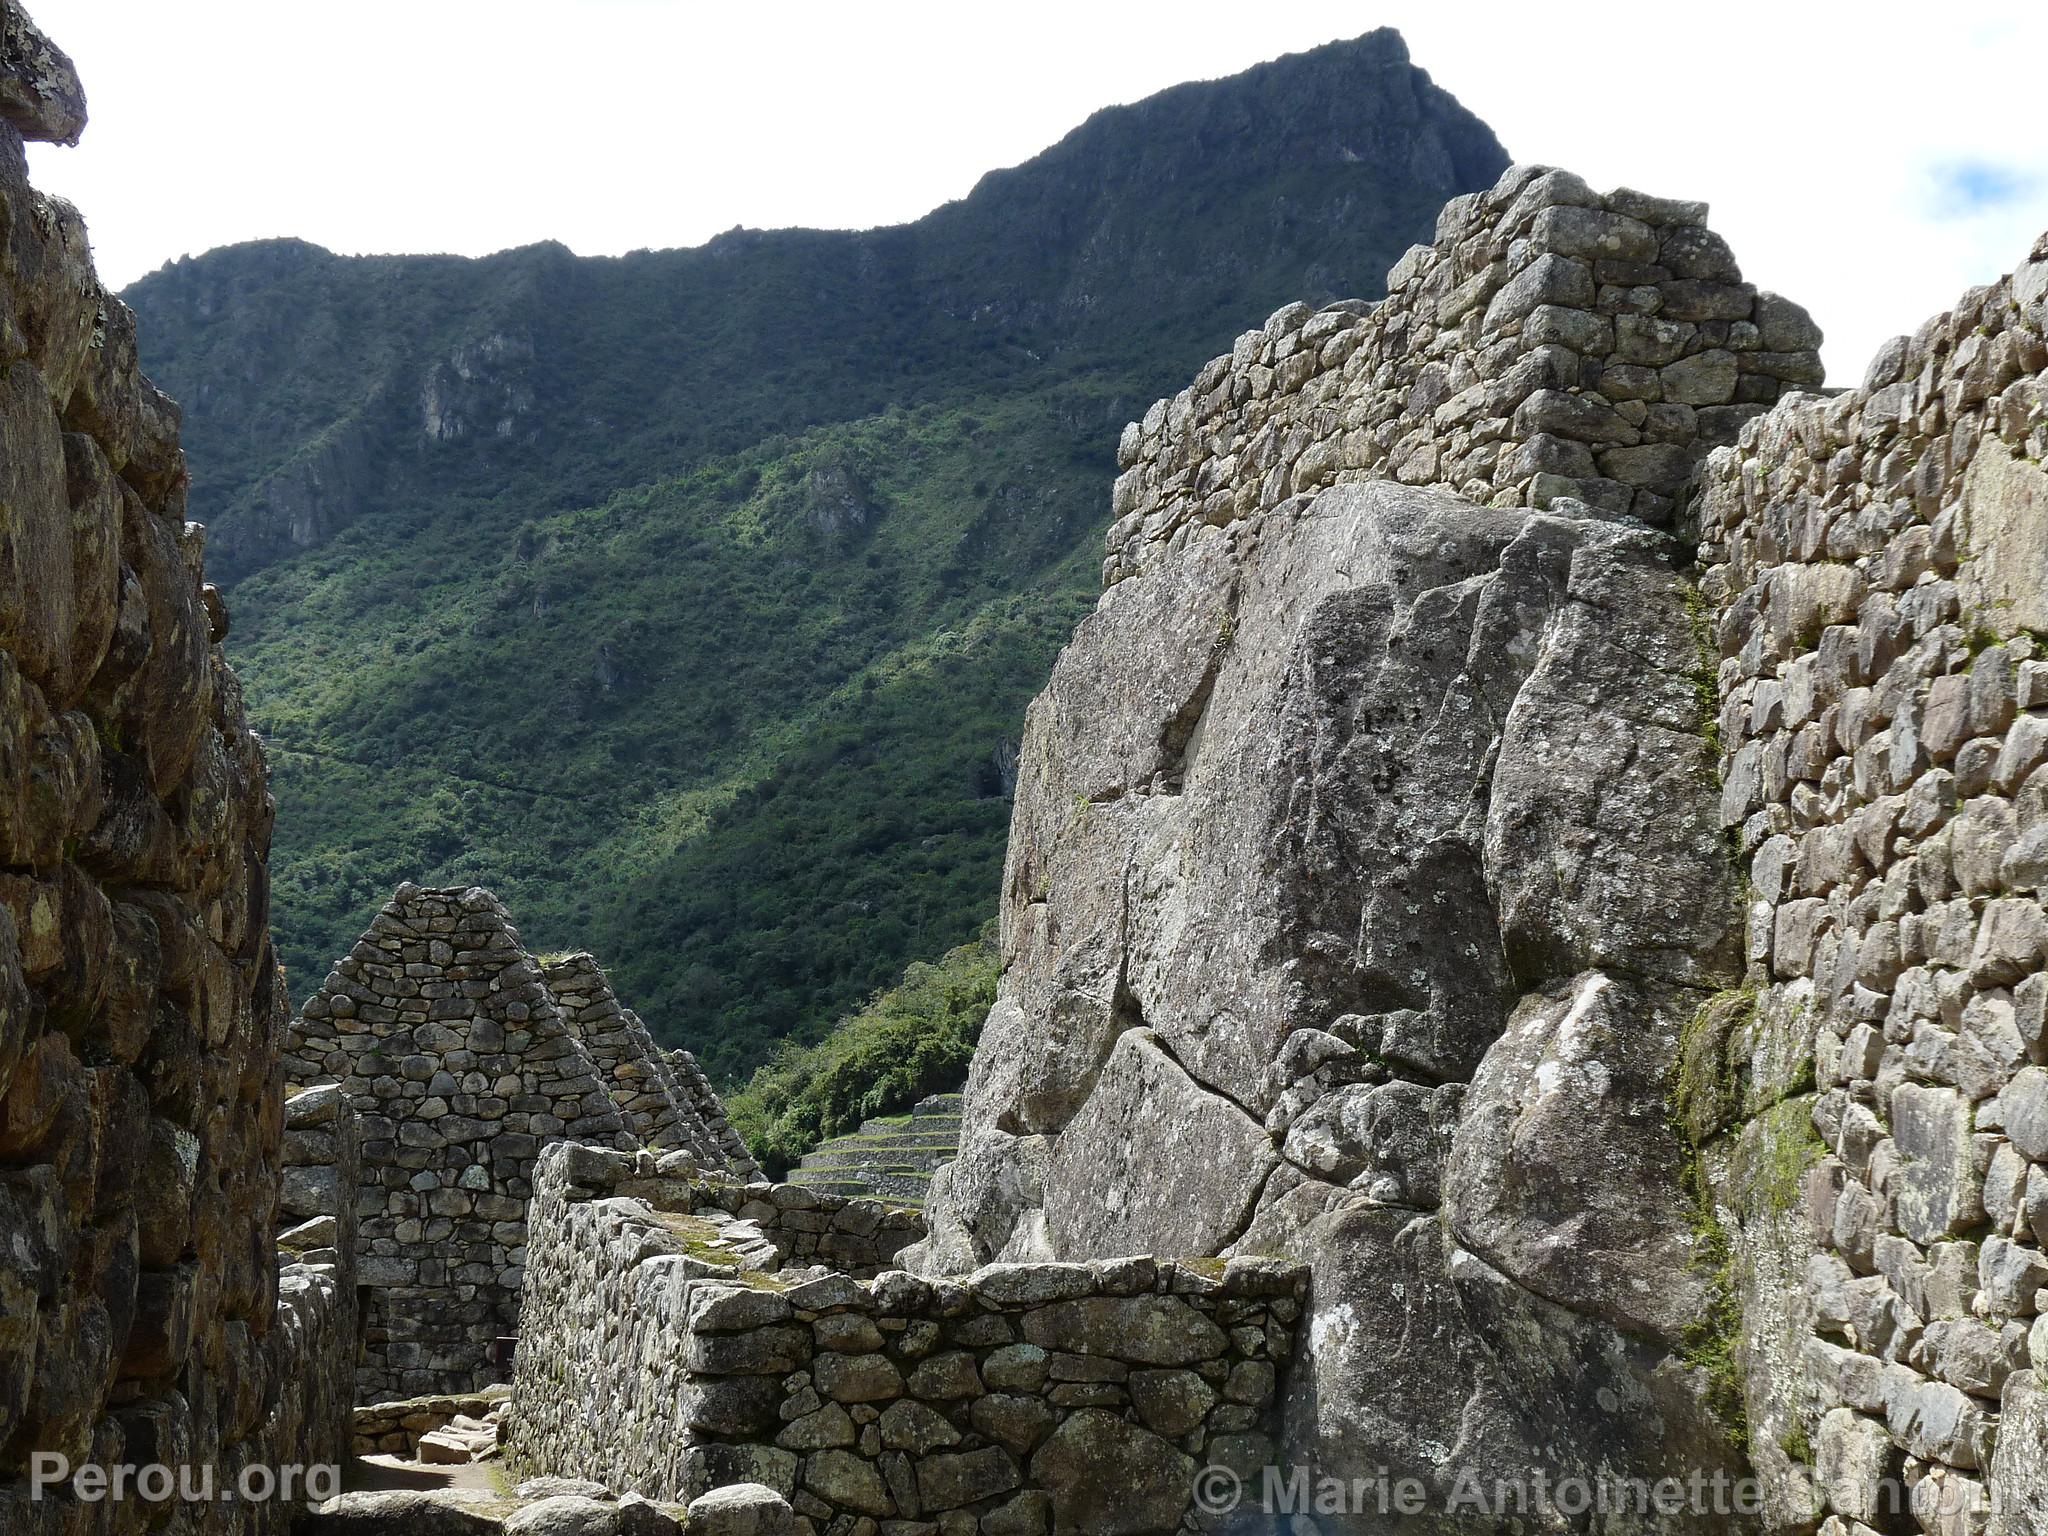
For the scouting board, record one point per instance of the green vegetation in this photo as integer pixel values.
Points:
(908, 1042)
(1713, 1341)
(1774, 1158)
(1706, 1099)
(691, 600)
(1797, 1445)
(1706, 675)
(783, 782)
(1706, 1093)
(1758, 1174)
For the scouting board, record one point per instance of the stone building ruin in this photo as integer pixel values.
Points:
(667, 1102)
(464, 1056)
(1524, 936)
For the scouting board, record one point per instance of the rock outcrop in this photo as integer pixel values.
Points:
(144, 1314)
(1366, 868)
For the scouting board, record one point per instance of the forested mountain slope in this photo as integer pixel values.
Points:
(691, 599)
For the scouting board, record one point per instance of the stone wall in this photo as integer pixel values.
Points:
(394, 1429)
(1019, 1399)
(813, 1226)
(465, 1056)
(441, 1034)
(1876, 567)
(142, 1316)
(1551, 342)
(696, 1089)
(322, 1160)
(650, 1094)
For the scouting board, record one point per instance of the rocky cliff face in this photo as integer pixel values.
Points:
(1301, 175)
(1366, 867)
(142, 1316)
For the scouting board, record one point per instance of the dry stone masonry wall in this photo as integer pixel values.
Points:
(1876, 566)
(316, 1240)
(1551, 342)
(813, 1227)
(443, 1037)
(142, 1126)
(1019, 1399)
(694, 1088)
(465, 1056)
(395, 1428)
(658, 1109)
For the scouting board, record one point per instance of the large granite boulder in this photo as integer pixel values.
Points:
(1363, 872)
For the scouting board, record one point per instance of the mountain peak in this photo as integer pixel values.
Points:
(718, 540)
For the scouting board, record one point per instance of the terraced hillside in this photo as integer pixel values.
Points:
(892, 1158)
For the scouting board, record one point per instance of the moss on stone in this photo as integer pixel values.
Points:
(1706, 1101)
(700, 1239)
(1773, 1160)
(1707, 1086)
(1796, 1445)
(1712, 1344)
(1706, 673)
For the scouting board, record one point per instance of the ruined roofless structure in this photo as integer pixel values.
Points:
(464, 1060)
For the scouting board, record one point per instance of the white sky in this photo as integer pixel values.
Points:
(1870, 160)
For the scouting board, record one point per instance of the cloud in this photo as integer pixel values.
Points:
(1961, 188)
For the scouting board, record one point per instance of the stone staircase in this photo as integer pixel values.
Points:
(891, 1158)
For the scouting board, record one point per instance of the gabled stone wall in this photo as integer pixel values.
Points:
(695, 1088)
(1020, 1399)
(663, 1113)
(1876, 568)
(444, 1038)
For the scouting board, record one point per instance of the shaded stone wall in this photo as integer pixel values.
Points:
(650, 1094)
(1551, 342)
(311, 1422)
(1022, 1398)
(695, 1088)
(142, 1314)
(394, 1428)
(443, 1037)
(1875, 1103)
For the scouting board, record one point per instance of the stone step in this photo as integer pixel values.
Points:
(905, 1130)
(910, 1125)
(903, 1188)
(912, 1142)
(924, 1159)
(946, 1146)
(890, 1157)
(828, 1182)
